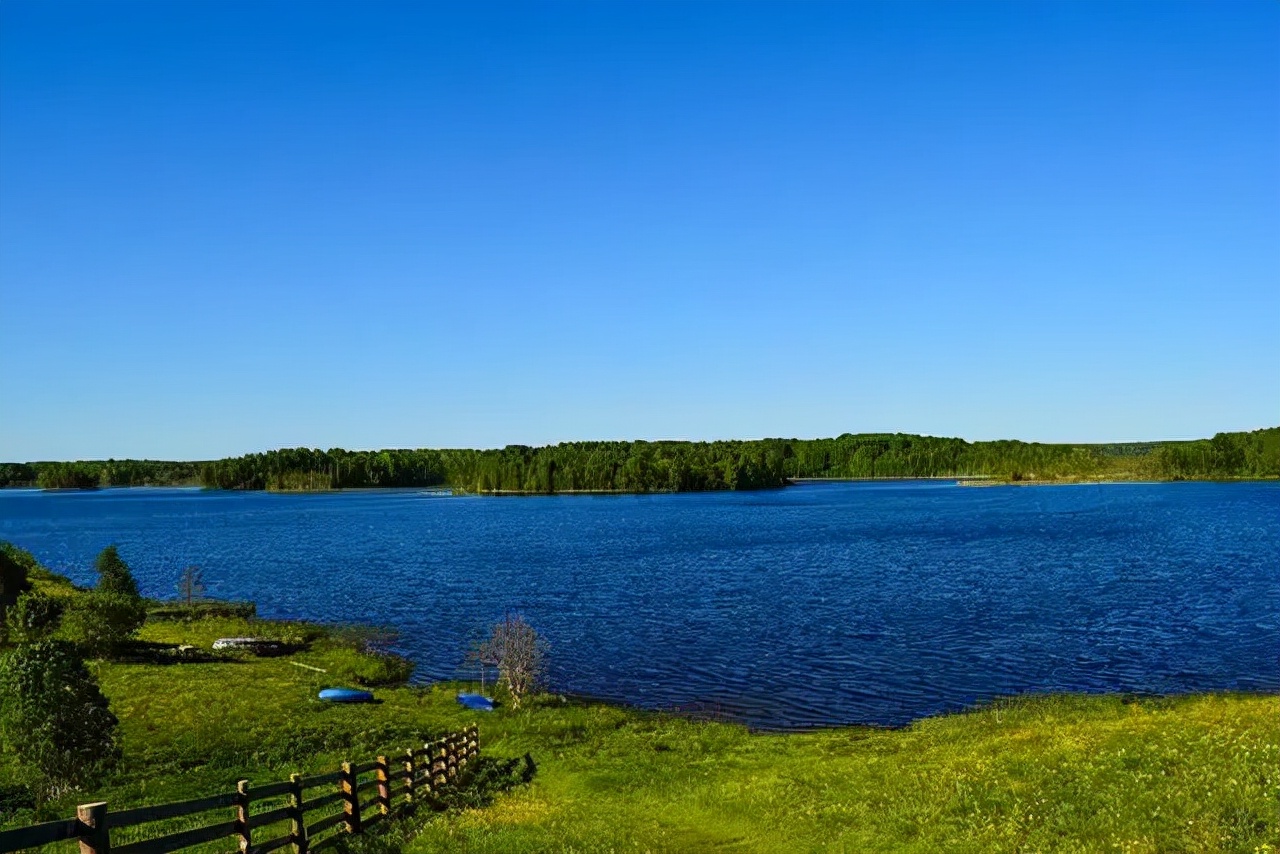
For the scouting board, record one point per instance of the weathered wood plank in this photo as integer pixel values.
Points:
(320, 779)
(175, 841)
(156, 812)
(350, 798)
(95, 836)
(297, 815)
(363, 768)
(270, 790)
(39, 834)
(383, 776)
(244, 830)
(410, 774)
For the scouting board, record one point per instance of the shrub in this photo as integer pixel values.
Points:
(53, 717)
(100, 622)
(34, 617)
(202, 609)
(14, 797)
(369, 667)
(13, 583)
(114, 575)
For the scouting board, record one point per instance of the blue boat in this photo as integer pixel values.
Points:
(478, 702)
(345, 695)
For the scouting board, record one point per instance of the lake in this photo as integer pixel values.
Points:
(875, 602)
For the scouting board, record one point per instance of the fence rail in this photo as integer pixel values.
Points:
(419, 774)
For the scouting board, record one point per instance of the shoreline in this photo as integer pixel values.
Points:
(960, 480)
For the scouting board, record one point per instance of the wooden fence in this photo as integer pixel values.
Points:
(415, 776)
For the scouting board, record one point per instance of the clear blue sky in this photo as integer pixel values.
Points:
(230, 227)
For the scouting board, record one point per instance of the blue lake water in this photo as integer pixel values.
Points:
(818, 604)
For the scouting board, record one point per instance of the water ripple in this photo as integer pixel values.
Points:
(821, 604)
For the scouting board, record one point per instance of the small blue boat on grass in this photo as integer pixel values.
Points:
(478, 702)
(345, 695)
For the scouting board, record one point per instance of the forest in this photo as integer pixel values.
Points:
(90, 474)
(677, 466)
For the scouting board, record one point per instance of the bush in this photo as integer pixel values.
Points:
(101, 622)
(202, 609)
(34, 617)
(13, 583)
(53, 717)
(369, 668)
(14, 797)
(114, 575)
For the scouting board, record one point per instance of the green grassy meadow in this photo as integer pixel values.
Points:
(1051, 773)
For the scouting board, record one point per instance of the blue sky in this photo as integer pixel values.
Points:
(230, 227)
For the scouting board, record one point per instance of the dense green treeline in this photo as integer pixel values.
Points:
(88, 474)
(759, 464)
(622, 467)
(679, 466)
(1255, 454)
(303, 468)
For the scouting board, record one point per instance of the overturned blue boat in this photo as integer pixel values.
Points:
(345, 695)
(478, 702)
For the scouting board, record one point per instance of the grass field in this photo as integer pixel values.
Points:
(1063, 773)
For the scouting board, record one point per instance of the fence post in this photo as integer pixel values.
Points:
(432, 784)
(297, 815)
(441, 773)
(451, 748)
(384, 785)
(350, 798)
(242, 814)
(410, 775)
(95, 838)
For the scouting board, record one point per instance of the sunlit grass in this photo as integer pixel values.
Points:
(1063, 773)
(1039, 774)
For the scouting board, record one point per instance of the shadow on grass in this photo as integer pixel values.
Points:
(487, 778)
(150, 652)
(153, 652)
(490, 778)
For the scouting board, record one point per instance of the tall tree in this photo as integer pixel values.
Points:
(114, 575)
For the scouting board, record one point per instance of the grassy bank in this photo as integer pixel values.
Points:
(1067, 773)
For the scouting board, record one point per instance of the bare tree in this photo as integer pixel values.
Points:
(191, 585)
(519, 653)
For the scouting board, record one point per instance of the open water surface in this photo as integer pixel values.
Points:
(819, 604)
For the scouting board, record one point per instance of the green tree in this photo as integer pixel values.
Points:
(114, 575)
(53, 717)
